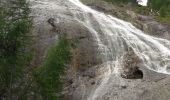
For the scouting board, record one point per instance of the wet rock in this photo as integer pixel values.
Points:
(100, 8)
(154, 28)
(144, 18)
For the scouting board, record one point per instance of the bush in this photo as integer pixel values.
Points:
(160, 5)
(49, 76)
(162, 12)
(42, 83)
(14, 39)
(164, 20)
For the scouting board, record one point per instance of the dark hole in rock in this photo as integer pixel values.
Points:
(51, 22)
(92, 83)
(82, 37)
(138, 74)
(124, 87)
(70, 81)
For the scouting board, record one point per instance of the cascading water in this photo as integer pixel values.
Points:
(142, 2)
(114, 36)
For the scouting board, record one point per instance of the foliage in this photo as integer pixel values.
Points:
(14, 39)
(142, 10)
(158, 8)
(49, 76)
(42, 83)
(162, 12)
(165, 20)
(162, 6)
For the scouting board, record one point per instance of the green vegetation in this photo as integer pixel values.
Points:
(158, 4)
(165, 20)
(49, 75)
(142, 10)
(17, 81)
(159, 8)
(162, 6)
(14, 39)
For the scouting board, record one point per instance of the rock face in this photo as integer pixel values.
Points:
(53, 17)
(156, 29)
(130, 68)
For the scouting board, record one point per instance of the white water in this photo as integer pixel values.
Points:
(114, 36)
(142, 2)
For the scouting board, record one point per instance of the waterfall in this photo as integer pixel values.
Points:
(142, 2)
(114, 36)
(115, 39)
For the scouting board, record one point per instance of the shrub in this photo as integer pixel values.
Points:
(162, 12)
(49, 76)
(14, 39)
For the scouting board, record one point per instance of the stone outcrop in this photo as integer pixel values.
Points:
(130, 68)
(52, 18)
(49, 24)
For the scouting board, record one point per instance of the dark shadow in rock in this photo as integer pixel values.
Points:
(138, 74)
(92, 83)
(51, 21)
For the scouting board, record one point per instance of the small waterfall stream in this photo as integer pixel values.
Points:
(114, 37)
